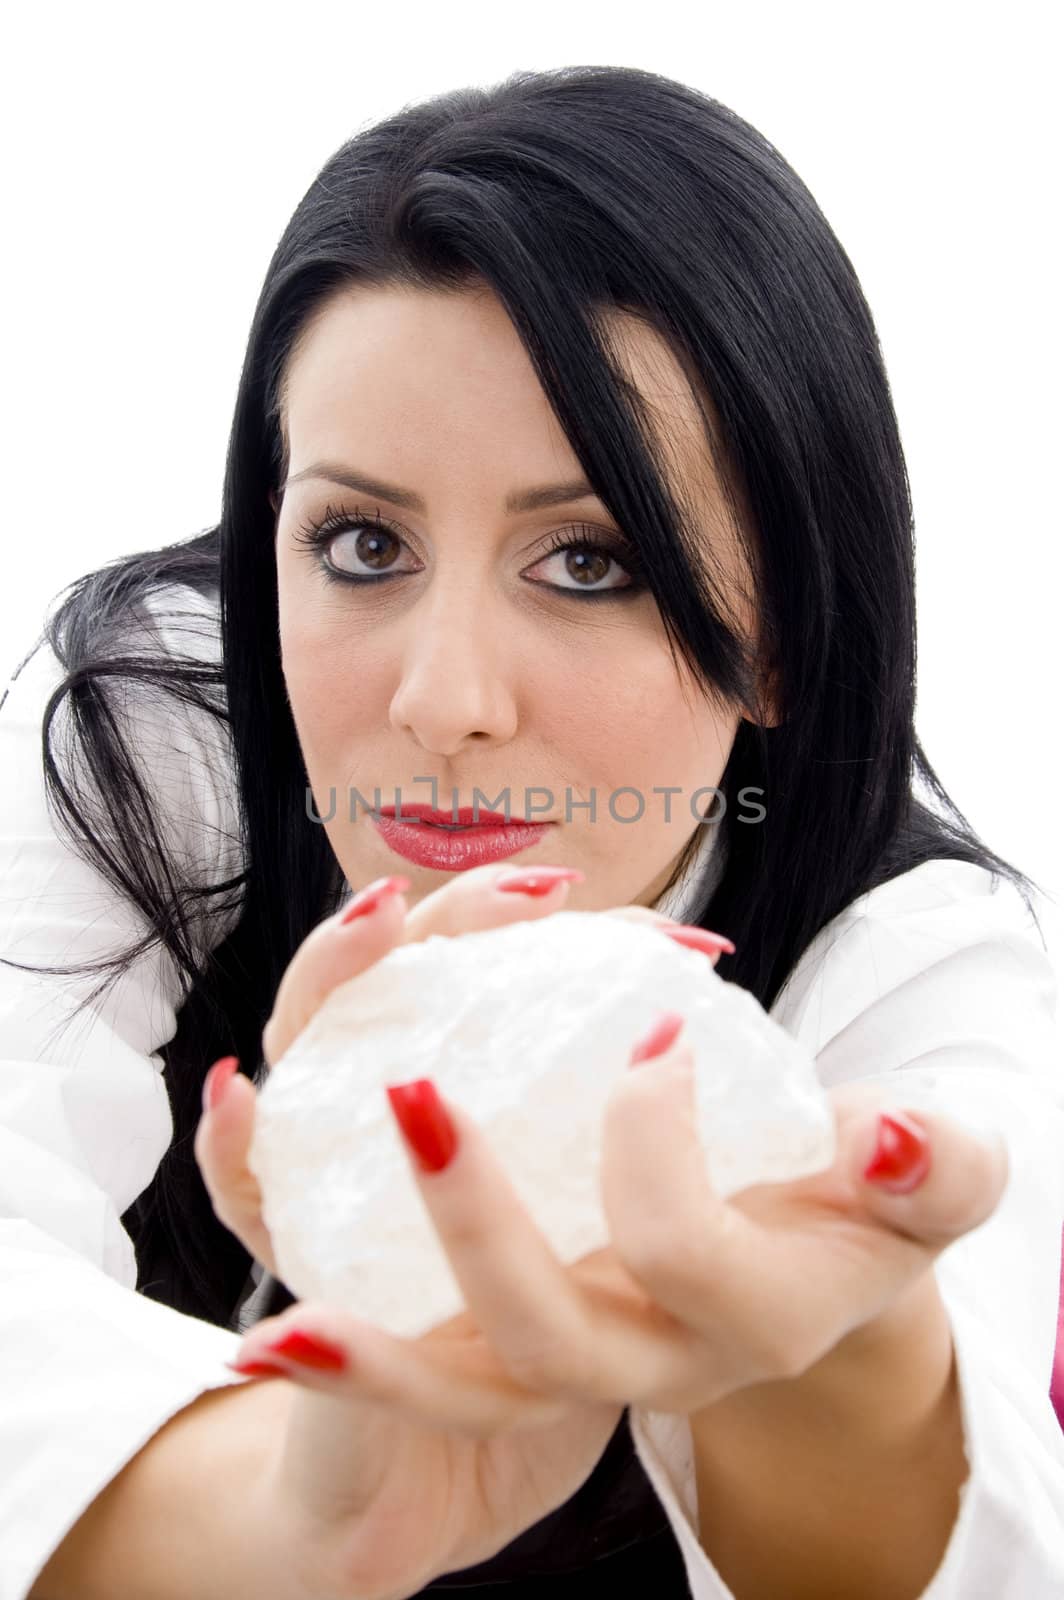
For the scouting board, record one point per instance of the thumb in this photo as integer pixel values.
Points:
(340, 947)
(925, 1174)
(221, 1148)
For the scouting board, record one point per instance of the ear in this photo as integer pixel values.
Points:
(275, 502)
(766, 712)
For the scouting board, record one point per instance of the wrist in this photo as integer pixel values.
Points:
(894, 1375)
(883, 1381)
(874, 1424)
(333, 1528)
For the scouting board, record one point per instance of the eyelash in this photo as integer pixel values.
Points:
(318, 535)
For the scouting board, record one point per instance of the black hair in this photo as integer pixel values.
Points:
(568, 193)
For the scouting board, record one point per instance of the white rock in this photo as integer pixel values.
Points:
(527, 1028)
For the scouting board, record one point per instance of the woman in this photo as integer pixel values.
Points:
(563, 463)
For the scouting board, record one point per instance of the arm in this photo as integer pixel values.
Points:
(125, 1477)
(793, 1479)
(939, 994)
(189, 1515)
(89, 1369)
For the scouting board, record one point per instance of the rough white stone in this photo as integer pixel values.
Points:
(527, 1028)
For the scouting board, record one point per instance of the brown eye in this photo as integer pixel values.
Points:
(583, 555)
(588, 566)
(376, 547)
(370, 551)
(591, 568)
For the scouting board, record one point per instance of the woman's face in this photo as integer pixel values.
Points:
(478, 658)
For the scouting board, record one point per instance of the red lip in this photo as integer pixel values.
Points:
(457, 848)
(464, 816)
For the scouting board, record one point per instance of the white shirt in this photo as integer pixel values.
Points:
(935, 986)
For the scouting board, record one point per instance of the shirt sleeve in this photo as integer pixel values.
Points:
(937, 989)
(89, 1368)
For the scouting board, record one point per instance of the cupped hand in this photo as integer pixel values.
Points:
(333, 952)
(364, 1500)
(694, 1298)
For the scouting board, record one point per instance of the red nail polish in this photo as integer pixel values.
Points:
(537, 880)
(217, 1079)
(657, 1039)
(425, 1124)
(369, 898)
(307, 1350)
(902, 1156)
(710, 944)
(256, 1369)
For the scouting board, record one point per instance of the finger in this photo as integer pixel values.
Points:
(774, 1278)
(445, 1384)
(475, 900)
(337, 949)
(770, 1279)
(925, 1175)
(691, 936)
(640, 914)
(340, 948)
(220, 1146)
(552, 1333)
(697, 1257)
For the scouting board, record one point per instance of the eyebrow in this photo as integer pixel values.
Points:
(550, 494)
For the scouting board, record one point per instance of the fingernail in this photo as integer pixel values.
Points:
(369, 898)
(308, 1350)
(256, 1369)
(537, 880)
(711, 944)
(424, 1122)
(657, 1039)
(902, 1157)
(217, 1080)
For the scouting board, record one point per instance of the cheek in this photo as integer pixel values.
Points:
(334, 683)
(626, 720)
(339, 701)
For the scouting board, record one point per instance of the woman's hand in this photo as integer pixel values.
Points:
(426, 1456)
(367, 1502)
(334, 951)
(694, 1299)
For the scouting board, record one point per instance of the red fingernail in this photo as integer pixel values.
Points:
(711, 944)
(214, 1084)
(902, 1157)
(537, 880)
(426, 1126)
(369, 898)
(307, 1350)
(657, 1039)
(256, 1369)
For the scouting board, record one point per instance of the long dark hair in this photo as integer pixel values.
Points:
(569, 192)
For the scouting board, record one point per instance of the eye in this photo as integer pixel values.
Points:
(366, 542)
(591, 563)
(352, 548)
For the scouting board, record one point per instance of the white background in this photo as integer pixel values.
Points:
(153, 156)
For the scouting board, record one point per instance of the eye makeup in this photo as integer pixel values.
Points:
(582, 539)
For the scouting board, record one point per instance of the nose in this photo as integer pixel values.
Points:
(453, 685)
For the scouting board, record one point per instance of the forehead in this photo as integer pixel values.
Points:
(409, 383)
(465, 337)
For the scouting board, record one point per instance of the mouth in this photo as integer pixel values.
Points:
(449, 843)
(459, 820)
